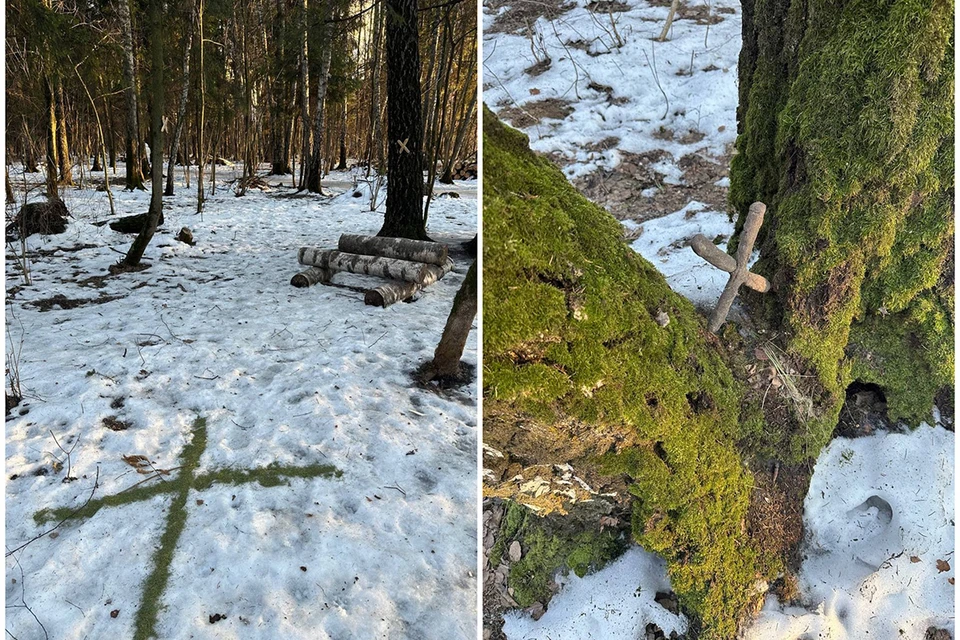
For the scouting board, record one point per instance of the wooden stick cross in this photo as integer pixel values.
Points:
(737, 268)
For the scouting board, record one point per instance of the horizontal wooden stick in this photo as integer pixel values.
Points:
(725, 262)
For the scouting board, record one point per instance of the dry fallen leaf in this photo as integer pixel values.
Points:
(534, 91)
(914, 559)
(115, 613)
(943, 565)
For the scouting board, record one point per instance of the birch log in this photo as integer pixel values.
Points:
(389, 293)
(311, 276)
(406, 270)
(400, 248)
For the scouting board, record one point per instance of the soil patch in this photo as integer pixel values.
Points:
(620, 190)
(520, 14)
(63, 302)
(534, 112)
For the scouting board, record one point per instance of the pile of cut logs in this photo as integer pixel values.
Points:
(407, 265)
(464, 170)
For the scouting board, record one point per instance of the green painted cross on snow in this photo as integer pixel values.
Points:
(156, 583)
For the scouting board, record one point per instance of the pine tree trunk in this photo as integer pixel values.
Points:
(846, 133)
(342, 165)
(404, 215)
(304, 95)
(52, 193)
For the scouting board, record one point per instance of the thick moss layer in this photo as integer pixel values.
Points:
(570, 336)
(846, 132)
(548, 548)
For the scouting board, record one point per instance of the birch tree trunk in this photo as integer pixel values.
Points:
(315, 162)
(134, 153)
(182, 106)
(139, 245)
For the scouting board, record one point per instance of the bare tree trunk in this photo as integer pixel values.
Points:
(404, 216)
(8, 186)
(315, 161)
(201, 151)
(155, 212)
(375, 146)
(343, 137)
(134, 153)
(29, 153)
(182, 107)
(304, 96)
(446, 358)
(63, 148)
(52, 192)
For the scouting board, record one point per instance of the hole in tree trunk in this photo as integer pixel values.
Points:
(864, 411)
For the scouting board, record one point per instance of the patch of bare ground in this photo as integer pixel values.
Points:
(608, 6)
(63, 302)
(700, 13)
(535, 112)
(520, 14)
(620, 190)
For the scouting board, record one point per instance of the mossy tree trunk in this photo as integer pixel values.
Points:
(846, 133)
(580, 376)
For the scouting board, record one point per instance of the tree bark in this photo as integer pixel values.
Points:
(446, 357)
(52, 192)
(406, 270)
(134, 148)
(139, 245)
(390, 293)
(400, 248)
(63, 148)
(311, 276)
(315, 161)
(859, 193)
(182, 106)
(404, 215)
(304, 94)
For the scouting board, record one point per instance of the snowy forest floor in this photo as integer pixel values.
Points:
(266, 466)
(646, 130)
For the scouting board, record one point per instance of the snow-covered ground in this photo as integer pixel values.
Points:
(609, 87)
(616, 603)
(880, 542)
(212, 340)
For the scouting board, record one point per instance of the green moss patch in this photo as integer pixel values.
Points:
(549, 549)
(846, 133)
(570, 332)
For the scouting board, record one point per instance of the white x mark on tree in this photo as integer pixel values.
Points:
(403, 145)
